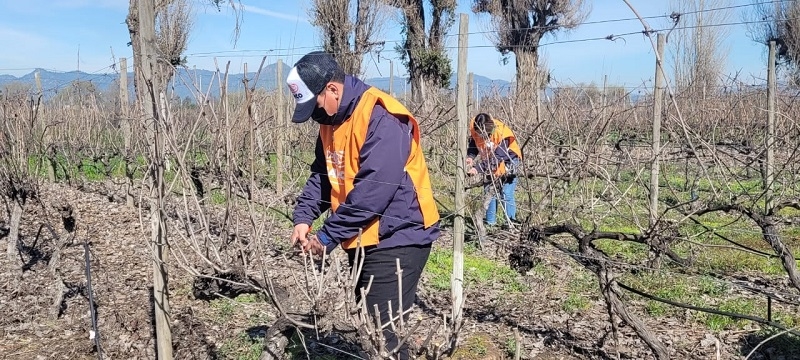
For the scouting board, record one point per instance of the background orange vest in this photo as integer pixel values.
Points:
(342, 146)
(501, 132)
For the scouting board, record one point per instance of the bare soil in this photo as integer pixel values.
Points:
(34, 324)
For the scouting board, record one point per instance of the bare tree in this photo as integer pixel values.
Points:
(348, 38)
(521, 24)
(423, 52)
(696, 45)
(173, 23)
(779, 21)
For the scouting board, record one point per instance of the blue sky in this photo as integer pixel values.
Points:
(51, 33)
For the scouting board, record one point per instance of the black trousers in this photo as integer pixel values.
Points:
(380, 264)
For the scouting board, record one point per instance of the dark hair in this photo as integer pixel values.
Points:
(338, 76)
(483, 125)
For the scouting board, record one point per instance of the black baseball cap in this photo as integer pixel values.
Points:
(307, 79)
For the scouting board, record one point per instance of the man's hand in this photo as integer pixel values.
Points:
(469, 162)
(300, 235)
(472, 171)
(307, 243)
(314, 247)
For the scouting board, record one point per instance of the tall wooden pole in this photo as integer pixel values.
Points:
(391, 77)
(51, 165)
(658, 98)
(152, 91)
(127, 132)
(251, 129)
(123, 90)
(38, 79)
(457, 280)
(605, 98)
(280, 118)
(770, 136)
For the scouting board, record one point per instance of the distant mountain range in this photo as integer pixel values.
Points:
(187, 83)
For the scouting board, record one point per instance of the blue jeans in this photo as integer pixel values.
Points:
(509, 203)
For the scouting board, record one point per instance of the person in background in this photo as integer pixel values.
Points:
(500, 158)
(369, 170)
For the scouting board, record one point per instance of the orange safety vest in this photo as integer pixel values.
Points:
(342, 146)
(486, 148)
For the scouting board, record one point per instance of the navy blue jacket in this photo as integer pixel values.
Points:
(381, 188)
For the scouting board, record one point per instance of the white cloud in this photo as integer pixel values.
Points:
(273, 14)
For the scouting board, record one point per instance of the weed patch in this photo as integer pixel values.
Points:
(478, 271)
(242, 347)
(736, 305)
(578, 289)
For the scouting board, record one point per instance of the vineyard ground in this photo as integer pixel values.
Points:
(554, 305)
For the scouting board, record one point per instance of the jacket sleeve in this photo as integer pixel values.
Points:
(315, 198)
(501, 154)
(382, 161)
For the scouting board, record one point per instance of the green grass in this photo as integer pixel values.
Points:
(677, 180)
(511, 347)
(199, 158)
(618, 223)
(728, 259)
(478, 346)
(698, 291)
(242, 347)
(711, 286)
(217, 196)
(543, 272)
(664, 285)
(223, 309)
(732, 261)
(259, 319)
(83, 167)
(478, 271)
(787, 319)
(574, 303)
(749, 186)
(735, 305)
(791, 234)
(92, 171)
(317, 224)
(789, 212)
(581, 289)
(629, 251)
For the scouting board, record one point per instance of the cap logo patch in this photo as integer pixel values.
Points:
(298, 87)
